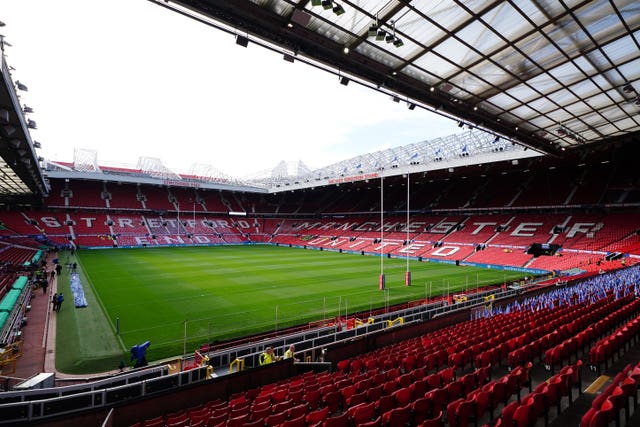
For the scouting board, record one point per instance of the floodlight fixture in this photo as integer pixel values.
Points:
(338, 9)
(389, 38)
(316, 2)
(21, 86)
(398, 42)
(627, 88)
(36, 144)
(327, 4)
(638, 101)
(27, 109)
(411, 106)
(242, 41)
(460, 124)
(373, 30)
(31, 124)
(288, 58)
(344, 80)
(381, 34)
(396, 98)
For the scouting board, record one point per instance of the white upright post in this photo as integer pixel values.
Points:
(407, 274)
(381, 281)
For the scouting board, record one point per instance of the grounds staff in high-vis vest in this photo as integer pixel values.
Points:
(267, 356)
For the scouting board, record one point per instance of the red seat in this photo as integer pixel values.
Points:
(507, 413)
(357, 399)
(619, 401)
(448, 375)
(538, 404)
(318, 416)
(294, 422)
(603, 416)
(339, 421)
(275, 419)
(238, 421)
(397, 417)
(466, 411)
(364, 413)
(311, 398)
(389, 387)
(385, 403)
(468, 383)
(333, 400)
(454, 390)
(483, 403)
(523, 416)
(436, 421)
(260, 414)
(435, 381)
(452, 407)
(586, 418)
(257, 423)
(375, 423)
(630, 388)
(282, 406)
(297, 411)
(403, 396)
(374, 393)
(438, 398)
(421, 409)
(419, 388)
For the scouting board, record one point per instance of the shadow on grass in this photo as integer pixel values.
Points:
(85, 340)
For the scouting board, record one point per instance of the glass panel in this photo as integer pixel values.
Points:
(507, 21)
(578, 108)
(445, 12)
(544, 83)
(543, 122)
(524, 112)
(523, 92)
(436, 65)
(504, 101)
(374, 52)
(456, 52)
(621, 50)
(470, 82)
(480, 37)
(421, 30)
(562, 97)
(419, 74)
(566, 73)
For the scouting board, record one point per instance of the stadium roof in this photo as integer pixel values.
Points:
(20, 173)
(550, 75)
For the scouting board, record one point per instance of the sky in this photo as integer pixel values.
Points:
(128, 78)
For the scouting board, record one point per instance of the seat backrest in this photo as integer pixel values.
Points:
(339, 421)
(315, 417)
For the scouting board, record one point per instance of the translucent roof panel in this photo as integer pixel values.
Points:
(521, 68)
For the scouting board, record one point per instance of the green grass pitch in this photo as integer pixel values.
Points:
(227, 292)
